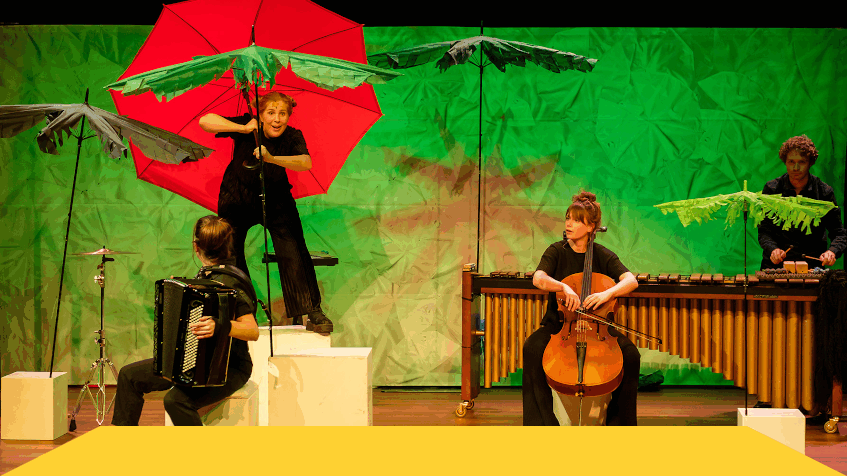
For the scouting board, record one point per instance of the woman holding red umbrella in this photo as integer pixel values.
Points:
(239, 201)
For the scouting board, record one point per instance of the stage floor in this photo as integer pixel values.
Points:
(403, 406)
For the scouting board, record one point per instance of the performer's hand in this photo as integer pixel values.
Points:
(568, 298)
(265, 154)
(828, 258)
(250, 127)
(203, 329)
(777, 256)
(596, 300)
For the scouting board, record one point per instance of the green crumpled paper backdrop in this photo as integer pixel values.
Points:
(666, 114)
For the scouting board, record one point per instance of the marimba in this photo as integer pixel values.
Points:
(699, 317)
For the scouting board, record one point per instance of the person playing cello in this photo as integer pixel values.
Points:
(562, 259)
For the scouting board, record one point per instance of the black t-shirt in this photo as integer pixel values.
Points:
(772, 236)
(560, 261)
(239, 355)
(240, 185)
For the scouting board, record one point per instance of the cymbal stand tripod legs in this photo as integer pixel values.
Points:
(99, 365)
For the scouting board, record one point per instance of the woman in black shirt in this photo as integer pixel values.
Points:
(239, 201)
(213, 245)
(560, 260)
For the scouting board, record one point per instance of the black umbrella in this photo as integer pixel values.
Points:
(110, 128)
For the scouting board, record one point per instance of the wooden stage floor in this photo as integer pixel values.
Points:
(676, 406)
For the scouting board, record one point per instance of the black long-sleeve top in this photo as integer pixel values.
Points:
(772, 236)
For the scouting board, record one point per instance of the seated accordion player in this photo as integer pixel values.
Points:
(178, 355)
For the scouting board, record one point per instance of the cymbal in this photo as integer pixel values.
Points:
(106, 251)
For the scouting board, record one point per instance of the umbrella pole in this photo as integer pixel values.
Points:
(744, 307)
(479, 167)
(264, 220)
(67, 233)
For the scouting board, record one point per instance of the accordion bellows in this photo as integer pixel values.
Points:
(178, 355)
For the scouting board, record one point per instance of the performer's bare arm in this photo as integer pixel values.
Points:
(243, 328)
(543, 281)
(298, 163)
(626, 284)
(214, 123)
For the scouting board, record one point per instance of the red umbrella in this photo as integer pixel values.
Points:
(332, 122)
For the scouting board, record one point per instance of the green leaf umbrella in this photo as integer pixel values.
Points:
(498, 52)
(786, 211)
(254, 65)
(493, 51)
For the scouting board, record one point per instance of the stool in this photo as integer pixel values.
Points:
(594, 409)
(239, 409)
(785, 425)
(34, 406)
(287, 340)
(321, 387)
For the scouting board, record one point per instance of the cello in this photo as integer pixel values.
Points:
(583, 359)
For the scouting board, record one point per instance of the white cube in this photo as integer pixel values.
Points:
(785, 425)
(287, 340)
(34, 406)
(321, 387)
(239, 409)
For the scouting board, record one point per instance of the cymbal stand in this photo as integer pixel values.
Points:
(99, 365)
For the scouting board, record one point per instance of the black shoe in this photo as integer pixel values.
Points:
(318, 322)
(761, 404)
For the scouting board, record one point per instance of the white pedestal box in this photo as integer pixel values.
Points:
(239, 409)
(34, 406)
(287, 340)
(785, 425)
(321, 387)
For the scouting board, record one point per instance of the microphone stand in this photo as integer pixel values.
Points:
(261, 166)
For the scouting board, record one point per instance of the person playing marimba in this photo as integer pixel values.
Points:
(799, 155)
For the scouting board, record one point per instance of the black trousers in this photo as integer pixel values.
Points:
(181, 403)
(538, 398)
(300, 290)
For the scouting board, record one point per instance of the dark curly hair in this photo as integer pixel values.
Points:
(213, 236)
(803, 145)
(585, 208)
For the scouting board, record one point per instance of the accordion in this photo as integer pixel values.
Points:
(178, 355)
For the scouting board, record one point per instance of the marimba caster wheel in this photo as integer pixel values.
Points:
(470, 404)
(831, 426)
(462, 409)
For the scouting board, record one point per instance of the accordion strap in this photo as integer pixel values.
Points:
(236, 273)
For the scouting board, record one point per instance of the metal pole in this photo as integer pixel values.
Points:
(67, 233)
(479, 165)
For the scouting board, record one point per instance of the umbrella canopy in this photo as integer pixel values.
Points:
(499, 52)
(785, 211)
(220, 31)
(111, 129)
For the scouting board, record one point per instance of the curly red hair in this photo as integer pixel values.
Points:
(274, 96)
(803, 145)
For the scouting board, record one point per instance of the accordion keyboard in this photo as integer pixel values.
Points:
(190, 360)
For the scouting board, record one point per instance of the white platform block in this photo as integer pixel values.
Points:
(785, 425)
(287, 340)
(239, 409)
(321, 387)
(34, 406)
